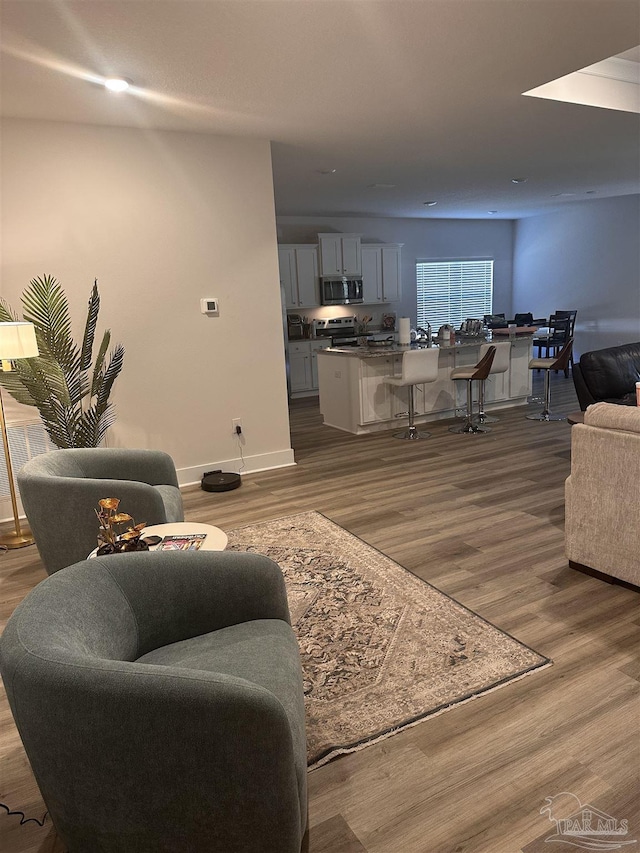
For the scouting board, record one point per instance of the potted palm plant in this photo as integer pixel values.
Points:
(69, 389)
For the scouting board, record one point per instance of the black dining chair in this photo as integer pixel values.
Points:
(495, 321)
(525, 319)
(556, 338)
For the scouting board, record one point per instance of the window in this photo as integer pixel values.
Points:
(450, 291)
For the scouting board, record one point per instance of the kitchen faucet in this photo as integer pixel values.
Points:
(427, 333)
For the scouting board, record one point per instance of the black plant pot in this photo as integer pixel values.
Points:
(122, 547)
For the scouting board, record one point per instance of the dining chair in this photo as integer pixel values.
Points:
(495, 321)
(571, 316)
(523, 319)
(555, 339)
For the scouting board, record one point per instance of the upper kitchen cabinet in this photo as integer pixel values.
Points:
(340, 254)
(381, 272)
(299, 275)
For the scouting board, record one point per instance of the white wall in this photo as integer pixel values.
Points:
(161, 219)
(422, 238)
(584, 257)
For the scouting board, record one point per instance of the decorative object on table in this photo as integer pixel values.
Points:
(110, 539)
(70, 391)
(389, 322)
(17, 341)
(381, 649)
(186, 542)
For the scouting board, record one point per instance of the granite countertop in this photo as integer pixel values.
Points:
(397, 349)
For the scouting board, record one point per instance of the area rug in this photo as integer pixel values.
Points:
(381, 649)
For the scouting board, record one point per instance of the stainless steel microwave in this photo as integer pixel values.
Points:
(340, 290)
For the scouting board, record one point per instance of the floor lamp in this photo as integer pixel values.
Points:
(17, 340)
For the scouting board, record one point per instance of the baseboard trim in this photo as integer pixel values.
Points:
(602, 576)
(252, 465)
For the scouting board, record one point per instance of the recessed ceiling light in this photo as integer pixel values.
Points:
(430, 203)
(326, 171)
(381, 186)
(519, 180)
(562, 195)
(116, 84)
(492, 212)
(591, 192)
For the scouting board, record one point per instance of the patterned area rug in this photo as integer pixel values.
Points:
(381, 649)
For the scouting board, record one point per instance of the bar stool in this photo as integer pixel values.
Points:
(559, 362)
(500, 365)
(418, 366)
(479, 372)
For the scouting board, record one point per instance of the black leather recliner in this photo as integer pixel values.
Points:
(608, 375)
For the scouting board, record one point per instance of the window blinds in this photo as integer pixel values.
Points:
(450, 291)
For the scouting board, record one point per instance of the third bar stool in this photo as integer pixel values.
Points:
(549, 364)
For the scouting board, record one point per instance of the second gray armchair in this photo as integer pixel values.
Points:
(60, 491)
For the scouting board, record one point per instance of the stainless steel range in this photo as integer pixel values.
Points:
(340, 329)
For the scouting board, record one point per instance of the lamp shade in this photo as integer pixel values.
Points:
(17, 340)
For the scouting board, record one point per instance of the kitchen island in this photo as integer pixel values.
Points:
(354, 396)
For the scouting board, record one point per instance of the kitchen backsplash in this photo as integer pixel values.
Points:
(380, 318)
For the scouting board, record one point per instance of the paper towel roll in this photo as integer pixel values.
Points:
(404, 329)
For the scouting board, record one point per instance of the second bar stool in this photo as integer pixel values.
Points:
(479, 372)
(418, 366)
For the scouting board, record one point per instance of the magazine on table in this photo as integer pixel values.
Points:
(182, 542)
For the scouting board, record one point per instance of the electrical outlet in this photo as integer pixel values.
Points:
(236, 424)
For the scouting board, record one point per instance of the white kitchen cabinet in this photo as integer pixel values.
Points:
(381, 273)
(299, 275)
(299, 367)
(391, 276)
(371, 274)
(340, 254)
(303, 366)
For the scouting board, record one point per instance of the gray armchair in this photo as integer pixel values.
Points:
(60, 492)
(159, 699)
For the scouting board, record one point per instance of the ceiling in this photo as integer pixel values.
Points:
(424, 95)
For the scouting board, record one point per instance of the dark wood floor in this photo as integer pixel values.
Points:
(482, 519)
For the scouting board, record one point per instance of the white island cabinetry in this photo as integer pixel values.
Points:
(355, 397)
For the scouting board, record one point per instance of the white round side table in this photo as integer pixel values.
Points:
(215, 539)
